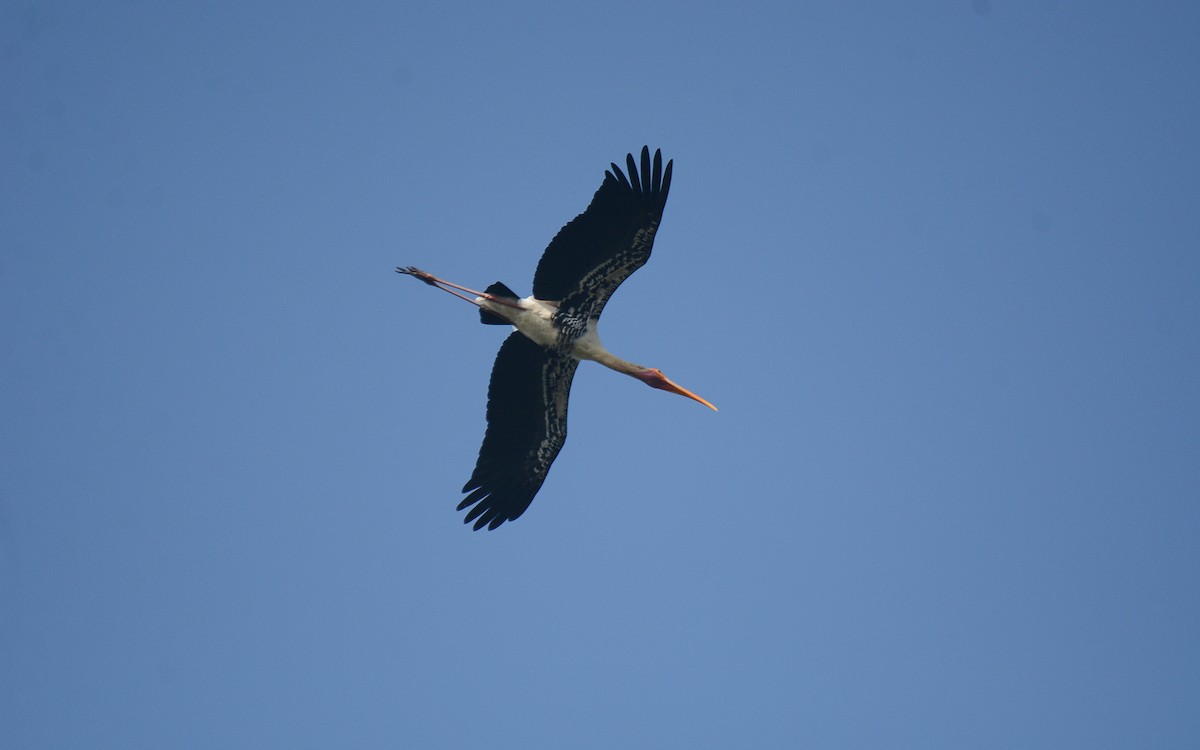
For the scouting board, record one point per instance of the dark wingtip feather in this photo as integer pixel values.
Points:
(475, 512)
(617, 175)
(490, 518)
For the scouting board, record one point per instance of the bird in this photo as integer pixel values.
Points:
(555, 328)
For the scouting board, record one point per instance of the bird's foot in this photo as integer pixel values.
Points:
(417, 273)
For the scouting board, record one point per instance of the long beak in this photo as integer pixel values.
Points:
(676, 388)
(655, 379)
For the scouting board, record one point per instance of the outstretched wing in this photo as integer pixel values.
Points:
(526, 428)
(599, 248)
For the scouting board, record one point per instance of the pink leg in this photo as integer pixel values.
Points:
(442, 284)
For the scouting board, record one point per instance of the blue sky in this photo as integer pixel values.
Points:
(936, 263)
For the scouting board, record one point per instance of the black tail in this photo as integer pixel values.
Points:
(491, 319)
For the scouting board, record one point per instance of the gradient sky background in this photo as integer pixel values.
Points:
(937, 263)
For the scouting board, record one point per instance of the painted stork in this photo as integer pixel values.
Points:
(555, 329)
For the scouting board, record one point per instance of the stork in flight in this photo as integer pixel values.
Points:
(555, 329)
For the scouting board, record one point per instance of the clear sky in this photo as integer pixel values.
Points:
(938, 264)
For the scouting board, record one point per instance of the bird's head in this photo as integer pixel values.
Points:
(654, 378)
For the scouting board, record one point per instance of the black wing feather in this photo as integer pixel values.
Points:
(526, 428)
(601, 247)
